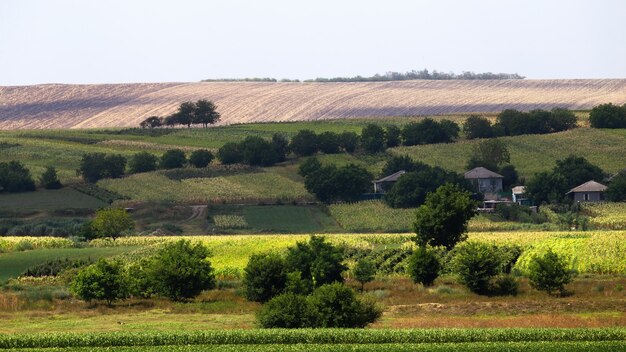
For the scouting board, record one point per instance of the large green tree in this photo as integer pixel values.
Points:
(318, 261)
(112, 222)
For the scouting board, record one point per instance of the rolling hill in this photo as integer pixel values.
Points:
(124, 105)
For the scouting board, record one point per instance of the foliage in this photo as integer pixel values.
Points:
(200, 158)
(512, 122)
(608, 116)
(423, 266)
(338, 307)
(103, 280)
(15, 177)
(230, 153)
(257, 151)
(505, 285)
(265, 276)
(476, 264)
(549, 273)
(330, 183)
(490, 154)
(112, 222)
(442, 219)
(180, 271)
(616, 190)
(95, 166)
(328, 142)
(49, 179)
(173, 159)
(429, 131)
(142, 162)
(151, 122)
(577, 170)
(318, 261)
(281, 146)
(54, 267)
(373, 138)
(476, 126)
(364, 271)
(289, 311)
(510, 176)
(200, 112)
(309, 166)
(392, 136)
(349, 141)
(304, 143)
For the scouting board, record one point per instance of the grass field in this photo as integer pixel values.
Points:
(48, 200)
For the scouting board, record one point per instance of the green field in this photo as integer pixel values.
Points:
(48, 200)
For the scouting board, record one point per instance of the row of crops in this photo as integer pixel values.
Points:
(312, 337)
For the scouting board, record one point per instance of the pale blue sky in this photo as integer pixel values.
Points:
(108, 41)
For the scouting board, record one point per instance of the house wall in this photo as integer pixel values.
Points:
(591, 196)
(489, 185)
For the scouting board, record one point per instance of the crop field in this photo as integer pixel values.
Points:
(608, 216)
(121, 105)
(62, 199)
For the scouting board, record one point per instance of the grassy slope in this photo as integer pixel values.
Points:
(48, 200)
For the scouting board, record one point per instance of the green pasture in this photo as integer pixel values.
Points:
(48, 200)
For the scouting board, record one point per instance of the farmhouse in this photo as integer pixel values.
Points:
(485, 181)
(590, 191)
(385, 183)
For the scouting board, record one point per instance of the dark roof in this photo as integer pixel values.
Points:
(590, 186)
(481, 172)
(391, 178)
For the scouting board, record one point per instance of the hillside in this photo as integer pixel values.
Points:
(123, 105)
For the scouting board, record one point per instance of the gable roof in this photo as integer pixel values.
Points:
(481, 172)
(590, 186)
(391, 178)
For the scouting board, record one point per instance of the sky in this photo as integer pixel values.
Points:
(117, 41)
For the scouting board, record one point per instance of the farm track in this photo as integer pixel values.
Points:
(125, 105)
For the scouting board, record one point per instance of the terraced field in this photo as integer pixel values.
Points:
(122, 105)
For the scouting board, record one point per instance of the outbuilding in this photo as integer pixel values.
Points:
(385, 183)
(590, 191)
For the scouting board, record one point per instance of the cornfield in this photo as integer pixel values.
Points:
(122, 105)
(608, 216)
(10, 244)
(230, 221)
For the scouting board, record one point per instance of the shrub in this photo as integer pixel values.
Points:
(54, 267)
(101, 281)
(349, 141)
(257, 151)
(180, 271)
(608, 116)
(309, 166)
(549, 273)
(288, 311)
(510, 175)
(364, 271)
(423, 266)
(392, 136)
(505, 285)
(230, 153)
(318, 261)
(265, 276)
(328, 142)
(477, 127)
(616, 191)
(429, 131)
(304, 143)
(173, 159)
(142, 162)
(280, 144)
(329, 183)
(15, 177)
(476, 264)
(96, 166)
(338, 307)
(200, 158)
(373, 138)
(111, 223)
(49, 179)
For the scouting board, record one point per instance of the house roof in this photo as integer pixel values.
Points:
(481, 172)
(518, 190)
(391, 178)
(590, 186)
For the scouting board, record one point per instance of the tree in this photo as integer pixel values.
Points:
(289, 311)
(151, 122)
(476, 264)
(547, 187)
(477, 127)
(104, 280)
(304, 143)
(257, 151)
(510, 176)
(338, 307)
(401, 163)
(608, 116)
(452, 129)
(265, 276)
(442, 219)
(112, 222)
(180, 271)
(281, 146)
(373, 138)
(49, 179)
(200, 158)
(616, 191)
(329, 183)
(507, 122)
(142, 162)
(364, 271)
(309, 166)
(318, 261)
(95, 166)
(205, 113)
(577, 170)
(423, 266)
(115, 165)
(173, 159)
(230, 153)
(185, 113)
(328, 142)
(489, 153)
(392, 136)
(429, 131)
(15, 177)
(562, 120)
(549, 273)
(349, 141)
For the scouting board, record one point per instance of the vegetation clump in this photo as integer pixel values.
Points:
(549, 273)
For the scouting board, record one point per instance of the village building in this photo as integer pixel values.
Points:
(384, 184)
(519, 196)
(485, 181)
(590, 191)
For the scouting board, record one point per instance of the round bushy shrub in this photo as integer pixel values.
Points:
(549, 273)
(476, 264)
(173, 159)
(338, 307)
(200, 158)
(423, 266)
(264, 277)
(288, 311)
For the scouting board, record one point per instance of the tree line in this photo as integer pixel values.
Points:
(202, 112)
(608, 116)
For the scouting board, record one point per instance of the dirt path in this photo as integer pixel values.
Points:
(197, 211)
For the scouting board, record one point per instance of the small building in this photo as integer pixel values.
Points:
(519, 195)
(590, 191)
(485, 181)
(384, 184)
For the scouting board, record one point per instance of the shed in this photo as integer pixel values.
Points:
(485, 181)
(590, 191)
(519, 195)
(385, 183)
